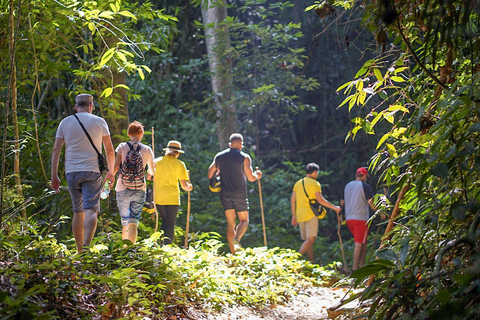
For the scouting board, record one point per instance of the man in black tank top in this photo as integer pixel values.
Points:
(235, 167)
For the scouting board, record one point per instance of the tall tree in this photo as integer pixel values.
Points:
(214, 13)
(12, 99)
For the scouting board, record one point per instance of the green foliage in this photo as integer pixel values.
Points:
(427, 89)
(43, 279)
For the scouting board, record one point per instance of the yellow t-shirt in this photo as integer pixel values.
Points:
(303, 210)
(168, 172)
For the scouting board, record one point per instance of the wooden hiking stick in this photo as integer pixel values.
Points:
(341, 243)
(154, 203)
(261, 209)
(187, 227)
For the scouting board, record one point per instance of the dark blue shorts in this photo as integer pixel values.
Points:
(84, 190)
(238, 204)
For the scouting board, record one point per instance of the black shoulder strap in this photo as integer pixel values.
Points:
(303, 184)
(88, 136)
(139, 146)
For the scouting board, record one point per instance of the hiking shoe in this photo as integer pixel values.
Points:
(236, 244)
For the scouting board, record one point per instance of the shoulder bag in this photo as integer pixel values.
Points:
(316, 207)
(102, 161)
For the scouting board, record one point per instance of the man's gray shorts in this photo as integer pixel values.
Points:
(85, 190)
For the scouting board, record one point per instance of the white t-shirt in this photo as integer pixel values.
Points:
(79, 152)
(147, 156)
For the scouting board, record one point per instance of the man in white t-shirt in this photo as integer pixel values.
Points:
(356, 200)
(81, 166)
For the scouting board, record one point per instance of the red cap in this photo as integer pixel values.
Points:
(363, 171)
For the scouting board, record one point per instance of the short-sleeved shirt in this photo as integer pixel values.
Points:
(80, 155)
(168, 171)
(356, 195)
(303, 210)
(230, 162)
(147, 156)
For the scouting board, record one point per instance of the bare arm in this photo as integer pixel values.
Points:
(151, 166)
(186, 185)
(107, 144)
(212, 169)
(118, 163)
(247, 168)
(293, 207)
(325, 203)
(57, 149)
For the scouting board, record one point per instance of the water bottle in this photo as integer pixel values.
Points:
(105, 191)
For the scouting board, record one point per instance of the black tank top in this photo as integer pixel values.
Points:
(234, 182)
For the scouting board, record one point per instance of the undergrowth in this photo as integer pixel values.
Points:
(41, 278)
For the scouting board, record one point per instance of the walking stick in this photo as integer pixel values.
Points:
(261, 209)
(187, 227)
(154, 203)
(341, 244)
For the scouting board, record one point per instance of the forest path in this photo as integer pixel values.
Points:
(309, 304)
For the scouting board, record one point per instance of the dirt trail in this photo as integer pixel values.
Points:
(310, 304)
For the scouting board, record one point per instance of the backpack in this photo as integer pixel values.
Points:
(132, 172)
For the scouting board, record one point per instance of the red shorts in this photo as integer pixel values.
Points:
(359, 229)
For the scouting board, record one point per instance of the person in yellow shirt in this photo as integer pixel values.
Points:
(302, 214)
(168, 172)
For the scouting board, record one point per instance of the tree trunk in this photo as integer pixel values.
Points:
(218, 43)
(13, 102)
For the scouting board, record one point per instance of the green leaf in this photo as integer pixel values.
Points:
(344, 85)
(397, 107)
(459, 211)
(352, 101)
(121, 56)
(122, 86)
(264, 88)
(106, 93)
(398, 70)
(440, 170)
(359, 85)
(113, 7)
(387, 254)
(361, 72)
(474, 127)
(378, 74)
(107, 56)
(128, 14)
(383, 95)
(106, 14)
(347, 99)
(397, 79)
(382, 140)
(361, 97)
(372, 268)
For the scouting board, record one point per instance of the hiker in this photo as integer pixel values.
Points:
(302, 213)
(131, 160)
(235, 167)
(356, 200)
(82, 170)
(168, 171)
